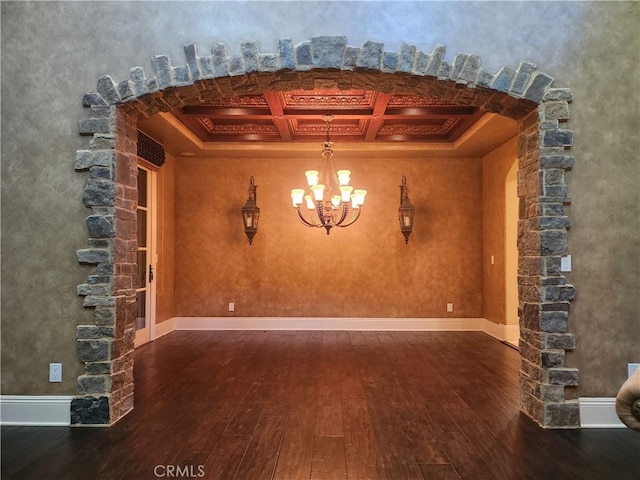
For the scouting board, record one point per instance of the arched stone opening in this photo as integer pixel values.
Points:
(105, 392)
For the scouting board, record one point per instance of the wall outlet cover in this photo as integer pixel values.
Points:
(55, 372)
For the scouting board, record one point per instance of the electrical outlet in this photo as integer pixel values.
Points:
(632, 367)
(55, 372)
(449, 307)
(232, 306)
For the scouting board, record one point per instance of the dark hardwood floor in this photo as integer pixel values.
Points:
(244, 405)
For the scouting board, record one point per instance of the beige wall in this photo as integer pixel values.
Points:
(365, 270)
(495, 167)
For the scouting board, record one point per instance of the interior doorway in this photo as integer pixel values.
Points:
(146, 255)
(523, 94)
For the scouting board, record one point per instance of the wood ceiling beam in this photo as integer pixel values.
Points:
(376, 121)
(274, 100)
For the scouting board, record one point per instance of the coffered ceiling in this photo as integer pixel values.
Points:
(359, 115)
(364, 120)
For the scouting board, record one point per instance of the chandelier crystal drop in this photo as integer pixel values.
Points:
(330, 201)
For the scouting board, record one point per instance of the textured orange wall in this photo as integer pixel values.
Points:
(496, 166)
(364, 270)
(165, 269)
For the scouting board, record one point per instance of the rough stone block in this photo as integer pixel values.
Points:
(100, 226)
(370, 56)
(406, 58)
(191, 53)
(89, 126)
(562, 415)
(101, 172)
(350, 59)
(484, 79)
(220, 66)
(138, 81)
(456, 67)
(108, 90)
(525, 70)
(552, 223)
(558, 293)
(538, 87)
(268, 63)
(552, 358)
(563, 376)
(98, 368)
(557, 138)
(421, 63)
(93, 256)
(304, 59)
(164, 71)
(104, 315)
(250, 53)
(470, 69)
(558, 94)
(181, 76)
(327, 52)
(557, 161)
(94, 384)
(94, 350)
(286, 53)
(125, 90)
(98, 192)
(443, 71)
(88, 332)
(566, 341)
(94, 158)
(93, 289)
(98, 301)
(90, 411)
(502, 80)
(553, 242)
(436, 58)
(554, 322)
(389, 62)
(90, 99)
(555, 110)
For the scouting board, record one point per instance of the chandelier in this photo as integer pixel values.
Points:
(332, 201)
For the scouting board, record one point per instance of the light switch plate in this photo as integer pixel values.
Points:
(632, 367)
(565, 263)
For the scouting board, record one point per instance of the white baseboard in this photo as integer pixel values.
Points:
(165, 327)
(35, 410)
(505, 333)
(599, 412)
(327, 323)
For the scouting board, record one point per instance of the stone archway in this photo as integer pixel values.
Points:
(105, 392)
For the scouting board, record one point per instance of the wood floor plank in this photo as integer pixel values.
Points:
(225, 458)
(439, 472)
(329, 461)
(262, 453)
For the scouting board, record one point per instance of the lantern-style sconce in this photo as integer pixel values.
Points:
(406, 212)
(251, 213)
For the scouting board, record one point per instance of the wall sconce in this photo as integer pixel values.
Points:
(251, 213)
(406, 212)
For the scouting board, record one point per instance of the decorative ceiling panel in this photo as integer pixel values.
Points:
(362, 115)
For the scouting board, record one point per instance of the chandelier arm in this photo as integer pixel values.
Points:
(305, 221)
(345, 212)
(353, 220)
